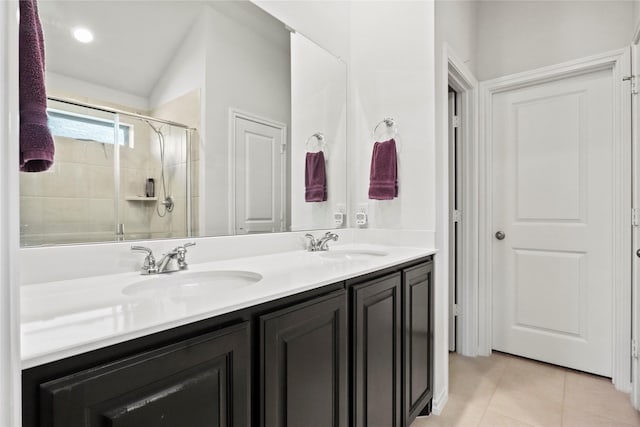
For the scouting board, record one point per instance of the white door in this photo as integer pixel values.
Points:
(552, 198)
(259, 177)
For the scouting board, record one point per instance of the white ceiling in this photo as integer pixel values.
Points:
(133, 43)
(134, 40)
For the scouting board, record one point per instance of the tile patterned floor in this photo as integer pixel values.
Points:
(508, 391)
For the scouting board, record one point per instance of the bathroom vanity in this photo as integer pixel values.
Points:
(334, 341)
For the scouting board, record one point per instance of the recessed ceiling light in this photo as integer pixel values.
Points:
(83, 35)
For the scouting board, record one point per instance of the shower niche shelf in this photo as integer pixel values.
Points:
(140, 199)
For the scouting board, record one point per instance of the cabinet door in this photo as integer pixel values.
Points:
(377, 329)
(304, 358)
(204, 381)
(418, 339)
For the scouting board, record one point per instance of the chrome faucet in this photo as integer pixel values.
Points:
(321, 244)
(177, 254)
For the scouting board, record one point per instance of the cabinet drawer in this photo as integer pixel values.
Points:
(204, 381)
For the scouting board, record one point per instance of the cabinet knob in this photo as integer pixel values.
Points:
(500, 235)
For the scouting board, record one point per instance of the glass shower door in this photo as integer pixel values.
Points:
(74, 201)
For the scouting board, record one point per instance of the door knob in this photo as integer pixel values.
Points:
(500, 235)
(638, 253)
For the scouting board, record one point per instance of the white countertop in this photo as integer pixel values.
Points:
(69, 317)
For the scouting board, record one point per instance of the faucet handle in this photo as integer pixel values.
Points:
(183, 248)
(181, 254)
(313, 244)
(149, 265)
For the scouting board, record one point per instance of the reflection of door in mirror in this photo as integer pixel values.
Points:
(259, 175)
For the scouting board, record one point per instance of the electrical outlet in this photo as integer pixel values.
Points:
(362, 214)
(338, 215)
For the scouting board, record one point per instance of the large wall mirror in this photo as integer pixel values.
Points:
(184, 118)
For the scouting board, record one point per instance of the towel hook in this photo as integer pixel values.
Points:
(389, 122)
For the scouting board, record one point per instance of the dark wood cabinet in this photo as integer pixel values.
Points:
(303, 360)
(204, 381)
(417, 308)
(377, 340)
(350, 354)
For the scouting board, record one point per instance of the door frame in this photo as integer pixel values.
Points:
(235, 113)
(462, 80)
(10, 361)
(619, 62)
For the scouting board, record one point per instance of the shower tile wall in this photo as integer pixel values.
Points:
(74, 201)
(186, 110)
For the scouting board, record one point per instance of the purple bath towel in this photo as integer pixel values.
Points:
(315, 178)
(36, 142)
(383, 177)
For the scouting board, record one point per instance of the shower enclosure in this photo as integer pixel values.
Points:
(117, 175)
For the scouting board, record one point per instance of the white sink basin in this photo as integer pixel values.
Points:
(187, 284)
(352, 254)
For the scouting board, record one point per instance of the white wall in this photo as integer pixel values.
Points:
(233, 55)
(65, 84)
(325, 22)
(10, 408)
(186, 70)
(515, 36)
(636, 13)
(392, 75)
(318, 104)
(456, 25)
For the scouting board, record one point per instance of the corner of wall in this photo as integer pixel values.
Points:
(440, 401)
(10, 407)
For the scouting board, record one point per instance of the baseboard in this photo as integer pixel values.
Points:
(440, 401)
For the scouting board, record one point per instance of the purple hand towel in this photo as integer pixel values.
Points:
(36, 142)
(315, 178)
(383, 177)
